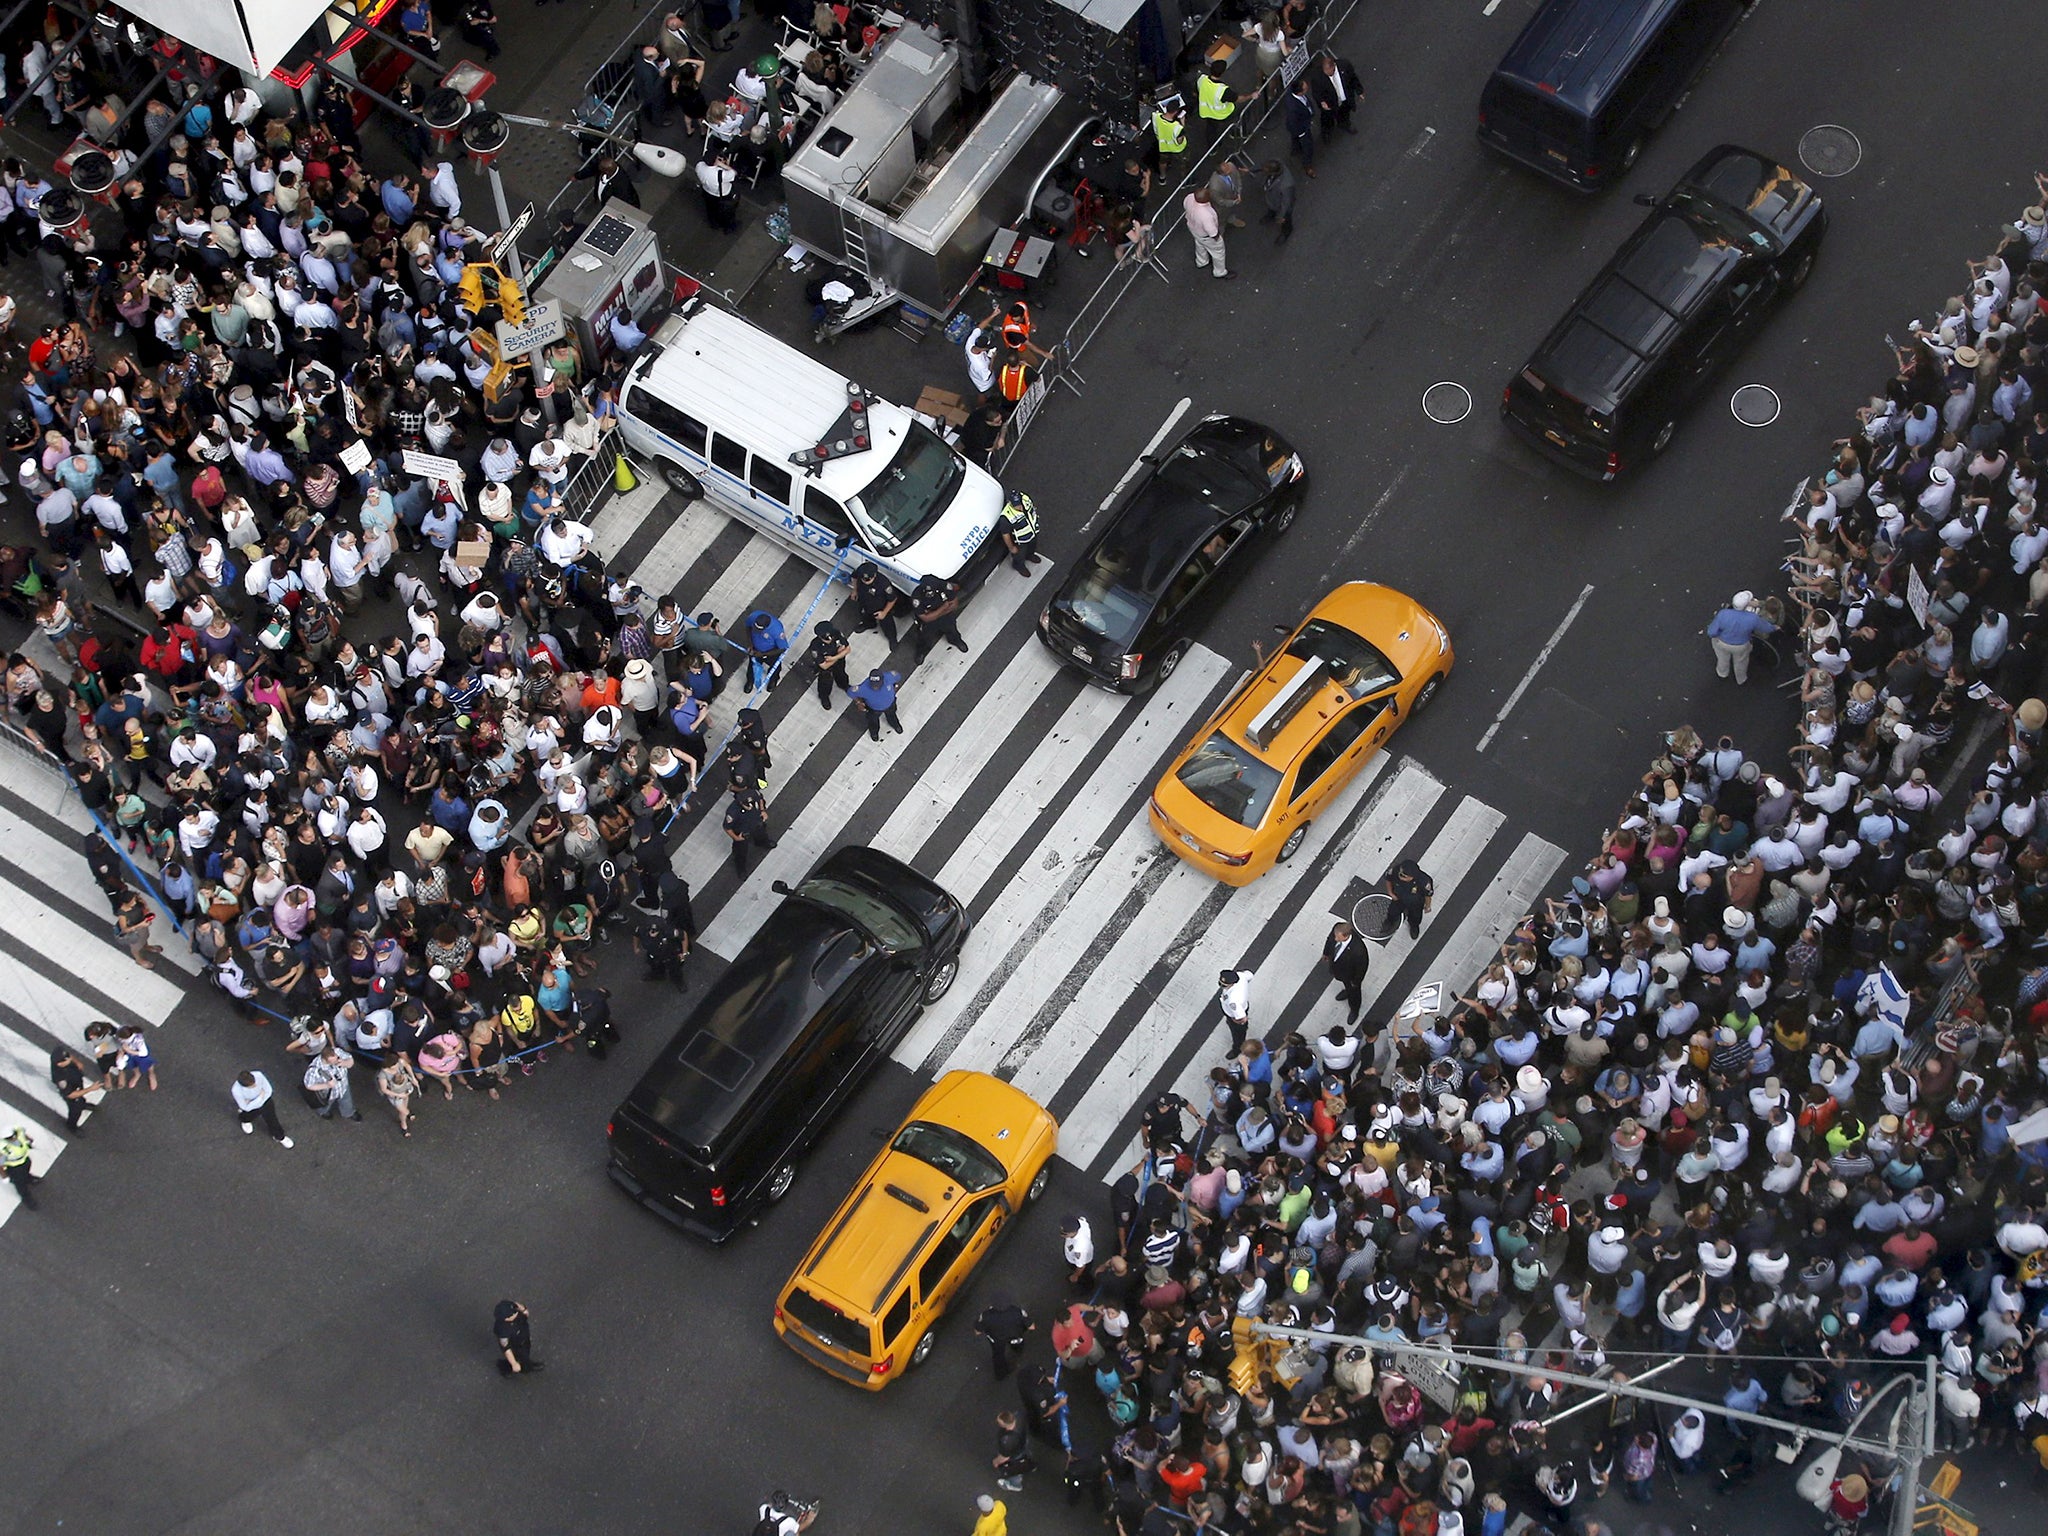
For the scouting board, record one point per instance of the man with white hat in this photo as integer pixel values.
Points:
(1734, 631)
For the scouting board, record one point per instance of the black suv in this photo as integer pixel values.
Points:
(1717, 254)
(1180, 536)
(809, 1006)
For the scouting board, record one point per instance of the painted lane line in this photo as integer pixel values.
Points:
(1138, 463)
(1534, 667)
(1006, 934)
(1372, 515)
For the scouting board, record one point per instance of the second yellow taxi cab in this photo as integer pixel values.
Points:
(865, 1302)
(1240, 798)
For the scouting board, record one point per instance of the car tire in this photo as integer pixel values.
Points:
(941, 980)
(1428, 693)
(1038, 1182)
(1664, 435)
(1284, 518)
(1292, 846)
(1168, 664)
(1802, 269)
(779, 1182)
(681, 481)
(921, 1351)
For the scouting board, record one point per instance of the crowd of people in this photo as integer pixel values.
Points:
(394, 752)
(1755, 1091)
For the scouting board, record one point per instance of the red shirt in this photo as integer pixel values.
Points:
(1183, 1483)
(39, 352)
(169, 660)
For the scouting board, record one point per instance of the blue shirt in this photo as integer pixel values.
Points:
(1738, 626)
(449, 815)
(767, 639)
(396, 202)
(879, 694)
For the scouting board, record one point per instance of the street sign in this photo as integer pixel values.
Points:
(501, 242)
(543, 324)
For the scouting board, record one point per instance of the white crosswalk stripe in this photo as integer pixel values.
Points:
(1089, 979)
(817, 826)
(61, 967)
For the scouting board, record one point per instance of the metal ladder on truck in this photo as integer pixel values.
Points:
(881, 294)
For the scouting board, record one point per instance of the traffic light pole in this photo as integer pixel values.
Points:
(537, 359)
(1909, 1450)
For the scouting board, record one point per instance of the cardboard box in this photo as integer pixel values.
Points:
(472, 552)
(944, 404)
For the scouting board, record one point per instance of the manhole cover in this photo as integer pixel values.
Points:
(1445, 403)
(1755, 405)
(1830, 150)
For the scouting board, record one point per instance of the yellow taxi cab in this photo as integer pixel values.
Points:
(1239, 799)
(865, 1302)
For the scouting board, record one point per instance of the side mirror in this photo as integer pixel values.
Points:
(781, 887)
(1646, 199)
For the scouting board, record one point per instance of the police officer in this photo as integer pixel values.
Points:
(828, 653)
(594, 1013)
(1412, 891)
(73, 1080)
(935, 601)
(14, 1155)
(767, 645)
(751, 732)
(877, 601)
(875, 697)
(746, 823)
(1020, 531)
(743, 772)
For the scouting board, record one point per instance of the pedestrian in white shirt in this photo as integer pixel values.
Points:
(255, 1100)
(1234, 994)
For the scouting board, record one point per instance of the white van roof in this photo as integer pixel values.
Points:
(740, 381)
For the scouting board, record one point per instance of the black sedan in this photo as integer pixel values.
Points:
(1177, 539)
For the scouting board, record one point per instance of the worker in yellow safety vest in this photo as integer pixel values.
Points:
(1216, 101)
(1170, 129)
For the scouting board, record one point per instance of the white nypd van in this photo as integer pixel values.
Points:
(719, 406)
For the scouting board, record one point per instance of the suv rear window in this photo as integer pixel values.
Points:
(827, 1322)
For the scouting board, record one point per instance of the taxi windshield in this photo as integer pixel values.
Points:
(906, 499)
(1229, 780)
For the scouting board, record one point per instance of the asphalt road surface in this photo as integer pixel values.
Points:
(208, 1333)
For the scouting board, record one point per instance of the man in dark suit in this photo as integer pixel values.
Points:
(1333, 85)
(1301, 125)
(1345, 953)
(611, 181)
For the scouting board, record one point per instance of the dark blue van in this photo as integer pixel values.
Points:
(1587, 80)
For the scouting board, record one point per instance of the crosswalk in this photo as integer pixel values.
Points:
(1090, 977)
(60, 965)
